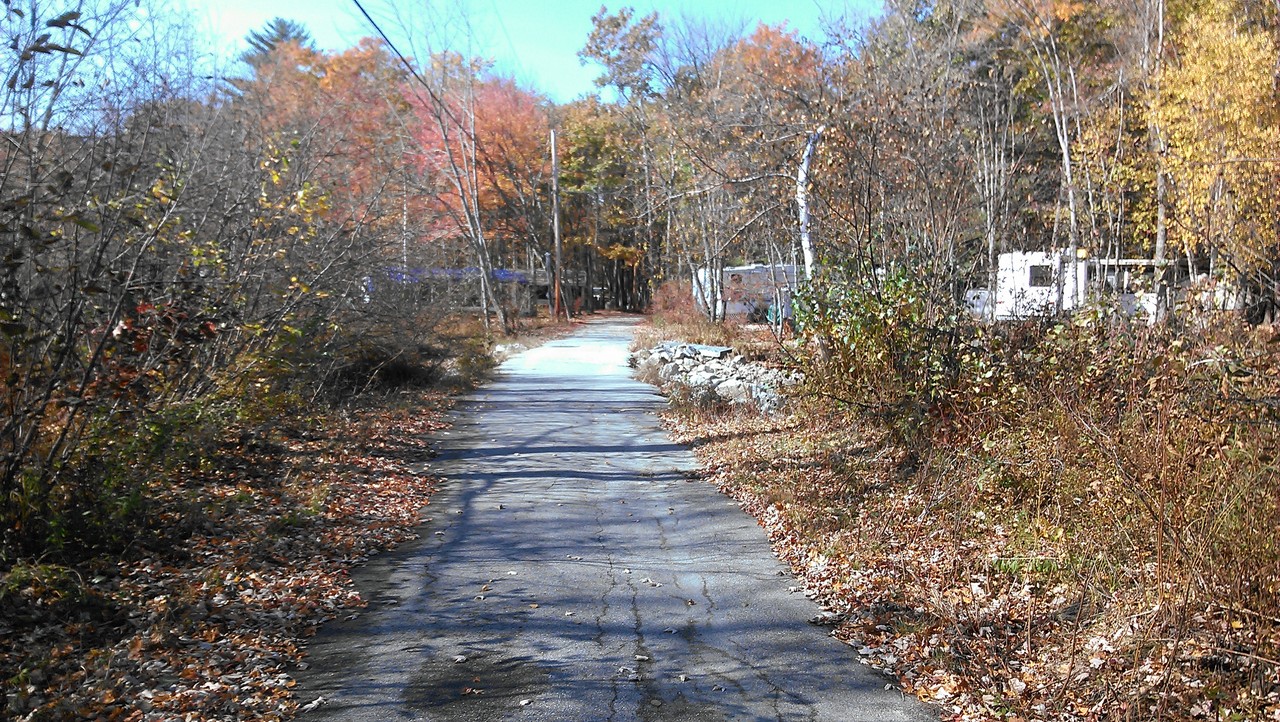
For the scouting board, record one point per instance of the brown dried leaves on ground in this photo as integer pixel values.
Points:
(936, 576)
(209, 625)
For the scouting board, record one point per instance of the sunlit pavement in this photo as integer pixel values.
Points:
(571, 570)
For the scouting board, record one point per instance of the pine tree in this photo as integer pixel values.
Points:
(276, 32)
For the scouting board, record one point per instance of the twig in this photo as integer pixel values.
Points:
(1245, 611)
(1247, 655)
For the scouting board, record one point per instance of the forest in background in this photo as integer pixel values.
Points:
(191, 255)
(174, 239)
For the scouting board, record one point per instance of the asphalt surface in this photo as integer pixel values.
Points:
(572, 570)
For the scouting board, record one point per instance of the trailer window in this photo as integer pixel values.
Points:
(1041, 276)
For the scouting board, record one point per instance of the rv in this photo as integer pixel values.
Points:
(1041, 283)
(752, 293)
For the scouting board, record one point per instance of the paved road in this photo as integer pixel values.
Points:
(571, 571)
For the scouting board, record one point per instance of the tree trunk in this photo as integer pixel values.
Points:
(802, 200)
(1154, 58)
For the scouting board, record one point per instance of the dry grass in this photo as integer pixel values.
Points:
(674, 317)
(1101, 546)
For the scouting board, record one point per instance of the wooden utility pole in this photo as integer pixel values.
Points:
(556, 298)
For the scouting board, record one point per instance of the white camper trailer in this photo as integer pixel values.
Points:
(1038, 283)
(746, 293)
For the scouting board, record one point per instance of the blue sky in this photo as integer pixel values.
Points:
(535, 40)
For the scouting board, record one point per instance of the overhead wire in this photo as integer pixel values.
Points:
(413, 71)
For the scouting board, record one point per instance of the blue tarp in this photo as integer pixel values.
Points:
(402, 275)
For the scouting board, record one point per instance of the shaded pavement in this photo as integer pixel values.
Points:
(572, 571)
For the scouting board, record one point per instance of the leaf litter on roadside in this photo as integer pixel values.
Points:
(210, 625)
(947, 605)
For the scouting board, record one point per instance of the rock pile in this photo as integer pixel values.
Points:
(709, 374)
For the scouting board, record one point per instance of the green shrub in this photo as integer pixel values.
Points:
(894, 346)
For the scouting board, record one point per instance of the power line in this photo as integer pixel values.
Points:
(408, 65)
(387, 40)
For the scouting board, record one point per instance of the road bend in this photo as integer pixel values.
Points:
(571, 570)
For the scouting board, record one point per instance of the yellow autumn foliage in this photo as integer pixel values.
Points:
(1217, 109)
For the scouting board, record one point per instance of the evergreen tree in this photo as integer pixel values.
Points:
(274, 33)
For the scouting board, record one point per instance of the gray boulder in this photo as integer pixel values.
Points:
(670, 372)
(735, 391)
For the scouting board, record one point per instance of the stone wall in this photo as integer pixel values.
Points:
(713, 374)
